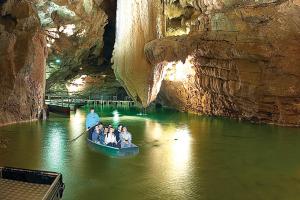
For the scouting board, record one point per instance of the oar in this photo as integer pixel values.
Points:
(86, 131)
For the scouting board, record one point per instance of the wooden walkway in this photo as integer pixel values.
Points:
(74, 102)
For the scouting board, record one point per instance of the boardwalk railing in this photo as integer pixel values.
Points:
(74, 101)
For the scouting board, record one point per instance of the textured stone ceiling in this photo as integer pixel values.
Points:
(75, 38)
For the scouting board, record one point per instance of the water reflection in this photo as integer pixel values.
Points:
(116, 118)
(170, 155)
(181, 156)
(77, 123)
(181, 148)
(54, 152)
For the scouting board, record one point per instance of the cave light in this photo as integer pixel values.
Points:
(72, 88)
(81, 34)
(48, 45)
(67, 29)
(52, 32)
(76, 85)
(58, 61)
(179, 71)
(50, 41)
(178, 32)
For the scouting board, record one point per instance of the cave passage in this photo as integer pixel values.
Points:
(110, 6)
(205, 72)
(80, 52)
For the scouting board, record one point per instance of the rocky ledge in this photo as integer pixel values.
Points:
(251, 73)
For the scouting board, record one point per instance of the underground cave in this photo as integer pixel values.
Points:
(208, 89)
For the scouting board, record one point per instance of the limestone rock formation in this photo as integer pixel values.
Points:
(138, 22)
(228, 58)
(247, 66)
(74, 37)
(22, 54)
(95, 85)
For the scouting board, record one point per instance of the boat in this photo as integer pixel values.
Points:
(59, 109)
(114, 151)
(25, 184)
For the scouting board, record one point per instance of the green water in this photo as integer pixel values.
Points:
(182, 156)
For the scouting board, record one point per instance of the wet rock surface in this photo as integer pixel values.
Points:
(23, 54)
(97, 85)
(136, 25)
(250, 72)
(238, 59)
(75, 42)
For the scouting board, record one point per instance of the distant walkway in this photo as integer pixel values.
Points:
(75, 101)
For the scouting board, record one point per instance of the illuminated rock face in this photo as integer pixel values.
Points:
(246, 62)
(22, 67)
(97, 85)
(74, 38)
(229, 58)
(80, 39)
(137, 24)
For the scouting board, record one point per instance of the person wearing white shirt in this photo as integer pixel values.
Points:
(125, 138)
(110, 138)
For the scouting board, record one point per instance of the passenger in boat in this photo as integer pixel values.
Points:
(106, 130)
(110, 139)
(96, 134)
(102, 134)
(125, 137)
(117, 134)
(92, 119)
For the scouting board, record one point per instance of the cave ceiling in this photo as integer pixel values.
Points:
(75, 38)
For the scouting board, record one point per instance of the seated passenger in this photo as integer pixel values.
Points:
(95, 134)
(105, 131)
(101, 126)
(101, 136)
(125, 138)
(110, 139)
(117, 134)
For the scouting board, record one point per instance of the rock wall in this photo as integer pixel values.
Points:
(80, 41)
(138, 22)
(74, 37)
(95, 85)
(22, 67)
(227, 58)
(246, 64)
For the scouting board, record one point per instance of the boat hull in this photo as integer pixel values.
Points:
(113, 151)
